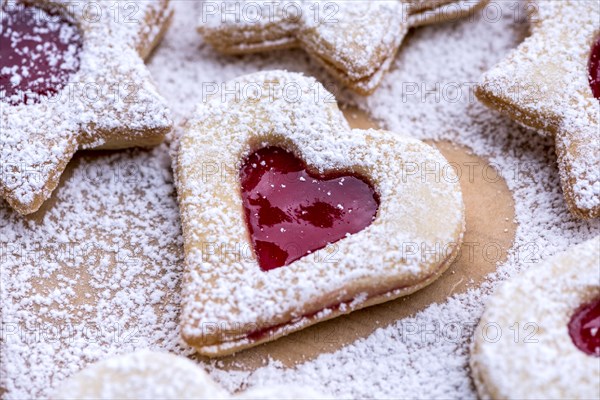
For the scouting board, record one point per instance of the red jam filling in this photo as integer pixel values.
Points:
(594, 68)
(39, 51)
(292, 212)
(584, 328)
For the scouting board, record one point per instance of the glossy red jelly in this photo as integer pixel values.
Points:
(39, 51)
(292, 212)
(594, 68)
(584, 328)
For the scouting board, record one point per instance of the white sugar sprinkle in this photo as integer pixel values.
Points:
(101, 214)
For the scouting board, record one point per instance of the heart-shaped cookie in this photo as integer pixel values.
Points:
(229, 301)
(156, 375)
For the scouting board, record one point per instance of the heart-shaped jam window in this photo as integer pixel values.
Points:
(594, 68)
(584, 328)
(39, 51)
(292, 212)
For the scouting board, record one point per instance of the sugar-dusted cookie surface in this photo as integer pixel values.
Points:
(546, 84)
(530, 338)
(141, 375)
(80, 84)
(158, 375)
(356, 41)
(230, 300)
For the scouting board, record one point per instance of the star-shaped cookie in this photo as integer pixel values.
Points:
(356, 41)
(107, 102)
(545, 84)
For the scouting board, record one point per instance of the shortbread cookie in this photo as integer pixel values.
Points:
(290, 217)
(141, 375)
(539, 336)
(355, 41)
(155, 375)
(72, 76)
(551, 83)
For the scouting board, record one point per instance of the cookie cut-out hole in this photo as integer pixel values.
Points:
(292, 212)
(39, 51)
(594, 68)
(584, 328)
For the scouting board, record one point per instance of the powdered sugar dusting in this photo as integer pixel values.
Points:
(39, 53)
(142, 291)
